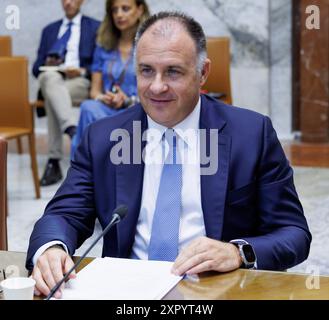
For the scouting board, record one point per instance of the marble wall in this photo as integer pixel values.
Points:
(260, 44)
(280, 88)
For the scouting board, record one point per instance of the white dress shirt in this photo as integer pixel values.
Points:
(72, 55)
(191, 221)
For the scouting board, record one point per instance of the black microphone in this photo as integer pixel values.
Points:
(118, 214)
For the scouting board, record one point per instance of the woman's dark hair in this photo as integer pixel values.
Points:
(108, 34)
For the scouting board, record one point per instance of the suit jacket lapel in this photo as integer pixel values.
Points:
(214, 187)
(53, 35)
(83, 36)
(129, 187)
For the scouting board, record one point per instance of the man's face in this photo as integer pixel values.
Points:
(71, 7)
(167, 77)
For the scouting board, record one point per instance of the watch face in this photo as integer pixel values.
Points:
(249, 253)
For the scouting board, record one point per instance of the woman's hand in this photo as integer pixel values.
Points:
(114, 100)
(119, 98)
(106, 98)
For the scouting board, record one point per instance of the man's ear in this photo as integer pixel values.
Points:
(205, 72)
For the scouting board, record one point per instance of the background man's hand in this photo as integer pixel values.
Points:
(52, 61)
(205, 254)
(50, 269)
(73, 72)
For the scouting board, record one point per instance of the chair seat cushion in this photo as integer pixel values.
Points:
(13, 132)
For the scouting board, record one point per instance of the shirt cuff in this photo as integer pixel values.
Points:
(43, 248)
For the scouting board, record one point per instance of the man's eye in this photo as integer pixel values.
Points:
(173, 72)
(146, 71)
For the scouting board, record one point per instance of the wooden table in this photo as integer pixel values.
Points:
(237, 285)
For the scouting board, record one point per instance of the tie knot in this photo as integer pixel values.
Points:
(70, 24)
(170, 136)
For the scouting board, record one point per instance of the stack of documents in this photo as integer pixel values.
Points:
(52, 68)
(122, 279)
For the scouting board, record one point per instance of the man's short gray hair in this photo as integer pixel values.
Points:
(192, 27)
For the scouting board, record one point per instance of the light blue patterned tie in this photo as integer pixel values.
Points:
(165, 227)
(59, 47)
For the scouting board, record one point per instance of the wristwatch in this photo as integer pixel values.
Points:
(247, 253)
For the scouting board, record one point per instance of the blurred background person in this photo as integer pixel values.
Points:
(68, 43)
(114, 85)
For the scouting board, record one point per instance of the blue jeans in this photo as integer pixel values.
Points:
(90, 111)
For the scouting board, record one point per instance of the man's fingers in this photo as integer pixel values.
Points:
(194, 248)
(190, 263)
(47, 274)
(204, 254)
(207, 254)
(72, 73)
(37, 292)
(204, 266)
(56, 267)
(68, 264)
(40, 285)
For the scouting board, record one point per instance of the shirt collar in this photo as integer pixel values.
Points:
(76, 20)
(190, 122)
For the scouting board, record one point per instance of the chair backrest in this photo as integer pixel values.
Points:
(3, 194)
(219, 79)
(5, 46)
(15, 110)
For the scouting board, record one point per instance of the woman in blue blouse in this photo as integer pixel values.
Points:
(113, 85)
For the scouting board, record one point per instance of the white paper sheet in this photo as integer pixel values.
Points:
(121, 279)
(52, 68)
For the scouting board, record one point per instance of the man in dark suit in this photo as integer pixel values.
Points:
(234, 205)
(69, 44)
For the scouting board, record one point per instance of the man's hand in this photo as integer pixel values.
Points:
(204, 254)
(52, 61)
(71, 72)
(50, 269)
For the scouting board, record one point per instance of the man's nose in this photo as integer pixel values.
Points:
(158, 86)
(67, 2)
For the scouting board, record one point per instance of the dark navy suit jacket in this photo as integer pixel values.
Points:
(89, 27)
(251, 196)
